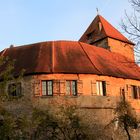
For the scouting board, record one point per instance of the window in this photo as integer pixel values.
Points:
(100, 26)
(90, 37)
(47, 88)
(101, 88)
(71, 88)
(14, 89)
(135, 91)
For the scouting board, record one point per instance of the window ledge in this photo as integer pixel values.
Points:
(101, 96)
(46, 96)
(68, 96)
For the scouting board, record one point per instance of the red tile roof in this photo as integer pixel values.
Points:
(71, 57)
(107, 30)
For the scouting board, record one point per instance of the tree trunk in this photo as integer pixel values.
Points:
(127, 132)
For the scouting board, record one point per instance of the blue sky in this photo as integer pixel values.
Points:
(30, 21)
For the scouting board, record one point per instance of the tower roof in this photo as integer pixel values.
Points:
(70, 57)
(100, 29)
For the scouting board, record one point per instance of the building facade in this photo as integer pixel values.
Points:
(93, 72)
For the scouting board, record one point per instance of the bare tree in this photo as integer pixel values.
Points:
(136, 4)
(125, 117)
(131, 26)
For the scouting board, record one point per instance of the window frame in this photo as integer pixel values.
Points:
(47, 88)
(72, 88)
(15, 89)
(135, 91)
(101, 88)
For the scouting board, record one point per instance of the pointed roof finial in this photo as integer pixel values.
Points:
(97, 11)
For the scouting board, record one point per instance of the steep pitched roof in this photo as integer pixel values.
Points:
(100, 29)
(70, 57)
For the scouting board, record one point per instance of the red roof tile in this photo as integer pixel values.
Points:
(107, 30)
(71, 57)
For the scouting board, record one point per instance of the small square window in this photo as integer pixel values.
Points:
(135, 91)
(71, 87)
(90, 35)
(101, 88)
(14, 89)
(47, 88)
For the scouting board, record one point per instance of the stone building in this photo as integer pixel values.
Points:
(93, 71)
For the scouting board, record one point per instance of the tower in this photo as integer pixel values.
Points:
(101, 33)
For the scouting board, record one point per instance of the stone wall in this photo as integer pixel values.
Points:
(87, 88)
(87, 97)
(97, 111)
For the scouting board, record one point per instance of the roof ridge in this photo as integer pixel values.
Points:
(99, 16)
(102, 19)
(107, 30)
(3, 52)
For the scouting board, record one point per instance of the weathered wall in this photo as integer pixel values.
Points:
(17, 105)
(117, 46)
(97, 111)
(122, 48)
(89, 97)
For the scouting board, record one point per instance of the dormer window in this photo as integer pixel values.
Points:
(90, 35)
(100, 26)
